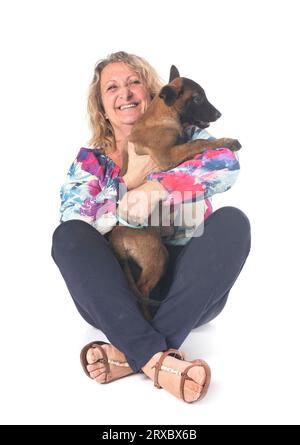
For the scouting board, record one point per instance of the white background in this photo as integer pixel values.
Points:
(245, 56)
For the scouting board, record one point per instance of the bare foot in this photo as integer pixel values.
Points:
(104, 363)
(170, 376)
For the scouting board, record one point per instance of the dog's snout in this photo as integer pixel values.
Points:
(217, 114)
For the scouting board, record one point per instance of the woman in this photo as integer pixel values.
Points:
(202, 269)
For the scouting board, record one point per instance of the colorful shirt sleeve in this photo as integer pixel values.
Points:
(91, 190)
(213, 171)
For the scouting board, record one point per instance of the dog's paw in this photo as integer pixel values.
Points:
(232, 144)
(236, 145)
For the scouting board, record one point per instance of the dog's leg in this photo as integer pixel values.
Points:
(153, 264)
(173, 156)
(144, 247)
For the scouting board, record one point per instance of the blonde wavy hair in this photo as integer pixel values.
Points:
(102, 131)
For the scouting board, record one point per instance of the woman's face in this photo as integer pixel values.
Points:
(123, 94)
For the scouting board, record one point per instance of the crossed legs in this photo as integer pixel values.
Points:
(198, 287)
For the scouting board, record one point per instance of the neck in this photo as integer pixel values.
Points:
(121, 134)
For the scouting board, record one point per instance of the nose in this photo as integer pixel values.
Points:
(217, 114)
(125, 92)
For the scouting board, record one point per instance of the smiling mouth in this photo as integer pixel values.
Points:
(128, 106)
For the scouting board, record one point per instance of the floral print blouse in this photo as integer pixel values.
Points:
(94, 186)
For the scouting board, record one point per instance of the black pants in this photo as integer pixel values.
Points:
(193, 291)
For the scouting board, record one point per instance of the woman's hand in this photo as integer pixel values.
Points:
(139, 166)
(137, 205)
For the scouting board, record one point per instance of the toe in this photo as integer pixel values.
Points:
(190, 395)
(93, 355)
(95, 366)
(198, 374)
(97, 373)
(192, 386)
(192, 390)
(101, 378)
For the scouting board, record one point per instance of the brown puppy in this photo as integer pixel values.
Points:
(159, 133)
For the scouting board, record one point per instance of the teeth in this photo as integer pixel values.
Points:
(124, 107)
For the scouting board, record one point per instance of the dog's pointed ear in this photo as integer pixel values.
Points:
(173, 73)
(169, 94)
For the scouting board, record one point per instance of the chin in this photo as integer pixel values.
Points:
(132, 119)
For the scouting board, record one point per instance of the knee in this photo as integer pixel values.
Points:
(69, 235)
(68, 230)
(237, 222)
(235, 217)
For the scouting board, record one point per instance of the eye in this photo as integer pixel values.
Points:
(137, 81)
(111, 87)
(198, 100)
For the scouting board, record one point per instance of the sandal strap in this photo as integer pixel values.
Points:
(158, 364)
(121, 364)
(104, 358)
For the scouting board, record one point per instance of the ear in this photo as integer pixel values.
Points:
(169, 94)
(173, 73)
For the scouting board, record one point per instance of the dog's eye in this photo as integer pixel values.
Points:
(197, 100)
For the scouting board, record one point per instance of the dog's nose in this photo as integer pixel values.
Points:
(217, 114)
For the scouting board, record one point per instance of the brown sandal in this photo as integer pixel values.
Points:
(184, 375)
(105, 360)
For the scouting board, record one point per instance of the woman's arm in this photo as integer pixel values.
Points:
(91, 191)
(213, 171)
